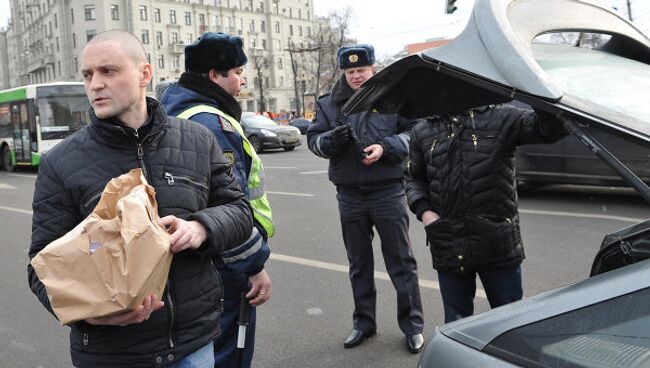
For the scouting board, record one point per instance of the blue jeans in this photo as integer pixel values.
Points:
(202, 358)
(502, 286)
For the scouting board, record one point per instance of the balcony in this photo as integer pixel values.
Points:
(177, 48)
(34, 64)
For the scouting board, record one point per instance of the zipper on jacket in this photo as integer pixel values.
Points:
(471, 118)
(85, 339)
(433, 147)
(171, 180)
(475, 141)
(92, 199)
(141, 154)
(170, 304)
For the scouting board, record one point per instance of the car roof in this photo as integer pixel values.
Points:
(492, 61)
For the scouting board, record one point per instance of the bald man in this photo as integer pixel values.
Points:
(198, 200)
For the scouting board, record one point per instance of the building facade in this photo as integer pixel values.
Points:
(45, 39)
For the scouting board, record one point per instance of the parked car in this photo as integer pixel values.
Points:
(301, 123)
(603, 93)
(264, 133)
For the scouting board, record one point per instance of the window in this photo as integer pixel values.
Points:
(172, 16)
(143, 12)
(56, 25)
(159, 38)
(173, 38)
(71, 15)
(262, 26)
(308, 31)
(149, 58)
(90, 34)
(277, 27)
(161, 62)
(74, 41)
(176, 63)
(253, 43)
(280, 63)
(89, 12)
(308, 15)
(76, 65)
(202, 19)
(145, 36)
(251, 25)
(264, 44)
(59, 67)
(217, 24)
(299, 13)
(275, 8)
(290, 30)
(299, 30)
(115, 12)
(57, 44)
(156, 15)
(190, 38)
(188, 18)
(281, 82)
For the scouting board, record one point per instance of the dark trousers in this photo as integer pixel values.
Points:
(385, 210)
(502, 286)
(225, 345)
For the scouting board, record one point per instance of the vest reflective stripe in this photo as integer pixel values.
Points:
(256, 193)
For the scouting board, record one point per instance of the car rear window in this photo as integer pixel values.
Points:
(613, 333)
(605, 85)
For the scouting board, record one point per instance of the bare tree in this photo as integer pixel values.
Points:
(260, 64)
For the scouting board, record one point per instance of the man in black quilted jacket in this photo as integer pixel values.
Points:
(461, 184)
(199, 202)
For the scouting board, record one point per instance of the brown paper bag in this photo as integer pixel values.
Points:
(113, 259)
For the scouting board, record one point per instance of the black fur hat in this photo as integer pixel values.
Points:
(355, 56)
(214, 50)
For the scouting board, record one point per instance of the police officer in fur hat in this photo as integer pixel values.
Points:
(365, 153)
(205, 93)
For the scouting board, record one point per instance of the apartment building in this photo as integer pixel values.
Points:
(45, 38)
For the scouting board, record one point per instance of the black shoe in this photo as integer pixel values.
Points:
(415, 343)
(356, 338)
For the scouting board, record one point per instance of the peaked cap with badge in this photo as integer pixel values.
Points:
(214, 50)
(356, 56)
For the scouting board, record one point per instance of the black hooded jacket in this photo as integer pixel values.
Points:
(463, 168)
(70, 179)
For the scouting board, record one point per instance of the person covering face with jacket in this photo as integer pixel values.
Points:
(205, 93)
(461, 184)
(199, 202)
(365, 153)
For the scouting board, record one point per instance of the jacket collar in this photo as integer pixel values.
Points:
(207, 88)
(114, 133)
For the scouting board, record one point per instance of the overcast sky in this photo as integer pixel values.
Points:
(390, 28)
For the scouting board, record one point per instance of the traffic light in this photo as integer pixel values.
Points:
(450, 7)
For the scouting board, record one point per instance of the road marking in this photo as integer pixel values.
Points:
(315, 172)
(280, 167)
(583, 215)
(12, 209)
(6, 186)
(292, 194)
(23, 175)
(428, 284)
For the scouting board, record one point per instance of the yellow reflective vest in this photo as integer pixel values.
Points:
(256, 193)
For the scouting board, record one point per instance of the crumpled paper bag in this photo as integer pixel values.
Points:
(113, 259)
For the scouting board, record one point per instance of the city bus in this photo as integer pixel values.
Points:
(34, 118)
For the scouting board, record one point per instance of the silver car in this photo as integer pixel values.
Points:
(503, 54)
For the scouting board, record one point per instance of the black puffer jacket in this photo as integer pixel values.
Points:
(70, 179)
(346, 168)
(462, 167)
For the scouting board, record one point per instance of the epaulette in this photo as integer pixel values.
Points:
(324, 95)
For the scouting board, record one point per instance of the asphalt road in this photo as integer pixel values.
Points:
(310, 312)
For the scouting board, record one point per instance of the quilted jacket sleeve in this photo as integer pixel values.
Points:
(396, 147)
(417, 186)
(228, 218)
(51, 220)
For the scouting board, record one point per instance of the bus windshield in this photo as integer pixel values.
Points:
(62, 109)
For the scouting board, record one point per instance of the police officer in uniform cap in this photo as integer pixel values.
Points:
(365, 153)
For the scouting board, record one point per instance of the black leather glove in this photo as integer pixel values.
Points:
(340, 137)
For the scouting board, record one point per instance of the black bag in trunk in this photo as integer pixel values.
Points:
(623, 247)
